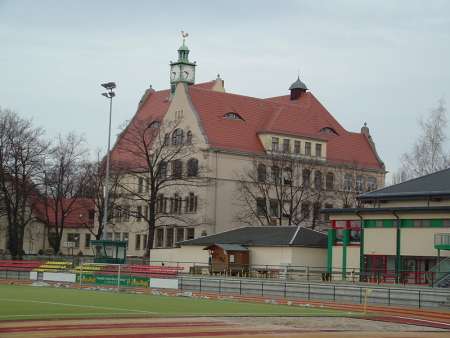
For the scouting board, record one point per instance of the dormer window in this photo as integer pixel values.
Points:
(233, 116)
(154, 125)
(328, 131)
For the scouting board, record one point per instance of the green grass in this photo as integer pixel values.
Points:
(20, 302)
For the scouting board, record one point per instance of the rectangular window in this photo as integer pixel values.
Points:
(177, 169)
(190, 233)
(126, 213)
(169, 240)
(175, 204)
(286, 209)
(87, 241)
(287, 176)
(339, 238)
(144, 244)
(307, 148)
(286, 146)
(109, 236)
(340, 224)
(421, 223)
(125, 236)
(191, 203)
(161, 204)
(180, 234)
(139, 213)
(318, 150)
(371, 184)
(159, 238)
(260, 207)
(355, 236)
(275, 142)
(296, 147)
(138, 242)
(274, 209)
(140, 184)
(75, 239)
(446, 222)
(305, 211)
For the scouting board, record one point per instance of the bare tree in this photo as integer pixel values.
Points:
(22, 157)
(428, 154)
(163, 173)
(63, 182)
(280, 189)
(95, 191)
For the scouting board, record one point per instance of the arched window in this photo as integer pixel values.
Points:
(359, 183)
(372, 184)
(328, 131)
(154, 125)
(233, 116)
(178, 137)
(318, 180)
(177, 169)
(329, 181)
(348, 182)
(262, 173)
(192, 167)
(189, 137)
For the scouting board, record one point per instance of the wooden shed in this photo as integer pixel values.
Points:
(228, 258)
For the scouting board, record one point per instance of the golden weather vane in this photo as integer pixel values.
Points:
(185, 35)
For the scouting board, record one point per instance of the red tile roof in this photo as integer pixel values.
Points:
(77, 212)
(302, 118)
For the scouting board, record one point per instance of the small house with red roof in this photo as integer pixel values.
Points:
(232, 132)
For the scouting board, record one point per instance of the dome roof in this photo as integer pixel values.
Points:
(298, 85)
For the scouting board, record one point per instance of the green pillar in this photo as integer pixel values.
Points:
(398, 257)
(345, 244)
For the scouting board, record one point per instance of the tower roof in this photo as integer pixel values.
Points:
(298, 85)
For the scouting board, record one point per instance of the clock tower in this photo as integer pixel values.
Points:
(182, 70)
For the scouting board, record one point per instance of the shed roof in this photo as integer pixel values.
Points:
(228, 247)
(265, 236)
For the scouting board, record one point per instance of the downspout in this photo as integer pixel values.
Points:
(398, 265)
(215, 191)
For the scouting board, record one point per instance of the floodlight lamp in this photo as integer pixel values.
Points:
(112, 94)
(109, 85)
(105, 95)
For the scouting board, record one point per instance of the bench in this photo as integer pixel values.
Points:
(237, 270)
(294, 272)
(383, 276)
(200, 270)
(368, 275)
(219, 270)
(324, 274)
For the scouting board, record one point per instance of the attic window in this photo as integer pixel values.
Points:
(328, 131)
(154, 125)
(233, 116)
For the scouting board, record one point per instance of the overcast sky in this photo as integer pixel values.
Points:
(381, 62)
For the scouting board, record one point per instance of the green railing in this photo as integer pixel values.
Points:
(440, 274)
(442, 241)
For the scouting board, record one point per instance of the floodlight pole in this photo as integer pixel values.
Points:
(108, 86)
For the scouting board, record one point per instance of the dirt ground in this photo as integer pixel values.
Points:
(326, 323)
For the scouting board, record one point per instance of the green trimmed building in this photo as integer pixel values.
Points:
(401, 234)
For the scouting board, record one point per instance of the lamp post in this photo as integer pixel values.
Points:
(108, 86)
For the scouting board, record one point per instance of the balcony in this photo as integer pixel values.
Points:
(442, 241)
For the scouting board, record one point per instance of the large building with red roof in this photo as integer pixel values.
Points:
(232, 133)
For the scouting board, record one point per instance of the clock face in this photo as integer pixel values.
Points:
(188, 73)
(175, 73)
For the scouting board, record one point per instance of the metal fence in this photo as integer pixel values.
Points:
(386, 296)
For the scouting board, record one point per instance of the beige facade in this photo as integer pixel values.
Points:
(402, 233)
